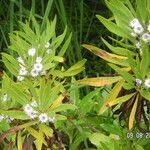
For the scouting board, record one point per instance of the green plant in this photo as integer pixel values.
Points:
(130, 95)
(32, 101)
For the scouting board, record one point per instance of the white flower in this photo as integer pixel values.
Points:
(23, 71)
(134, 22)
(148, 27)
(27, 109)
(49, 51)
(134, 34)
(51, 119)
(138, 82)
(47, 45)
(38, 67)
(20, 60)
(31, 51)
(141, 51)
(138, 29)
(2, 117)
(138, 45)
(39, 59)
(34, 104)
(32, 114)
(147, 83)
(146, 37)
(34, 73)
(5, 97)
(43, 117)
(20, 78)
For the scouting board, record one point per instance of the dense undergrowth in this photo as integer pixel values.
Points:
(46, 67)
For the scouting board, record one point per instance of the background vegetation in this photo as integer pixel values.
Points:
(85, 129)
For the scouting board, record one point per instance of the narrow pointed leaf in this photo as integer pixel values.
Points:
(132, 114)
(99, 81)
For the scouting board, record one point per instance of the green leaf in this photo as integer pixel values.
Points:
(98, 138)
(58, 40)
(113, 94)
(46, 130)
(120, 100)
(145, 94)
(117, 50)
(64, 107)
(87, 102)
(65, 46)
(11, 64)
(16, 114)
(18, 95)
(112, 27)
(145, 60)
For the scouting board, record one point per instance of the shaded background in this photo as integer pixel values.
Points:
(78, 15)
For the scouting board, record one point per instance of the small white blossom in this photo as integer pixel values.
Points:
(23, 71)
(138, 82)
(134, 34)
(147, 83)
(148, 27)
(146, 37)
(34, 73)
(31, 51)
(2, 117)
(134, 22)
(49, 51)
(43, 117)
(5, 97)
(47, 45)
(138, 29)
(34, 104)
(33, 114)
(38, 67)
(27, 109)
(39, 59)
(20, 60)
(20, 78)
(51, 119)
(141, 51)
(138, 45)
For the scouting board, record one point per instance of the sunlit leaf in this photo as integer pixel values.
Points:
(99, 81)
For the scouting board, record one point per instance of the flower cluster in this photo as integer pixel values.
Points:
(146, 82)
(29, 109)
(48, 48)
(140, 32)
(37, 68)
(5, 117)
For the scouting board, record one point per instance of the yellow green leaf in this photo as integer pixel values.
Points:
(99, 81)
(113, 58)
(46, 130)
(37, 135)
(113, 94)
(57, 102)
(132, 114)
(19, 141)
(119, 100)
